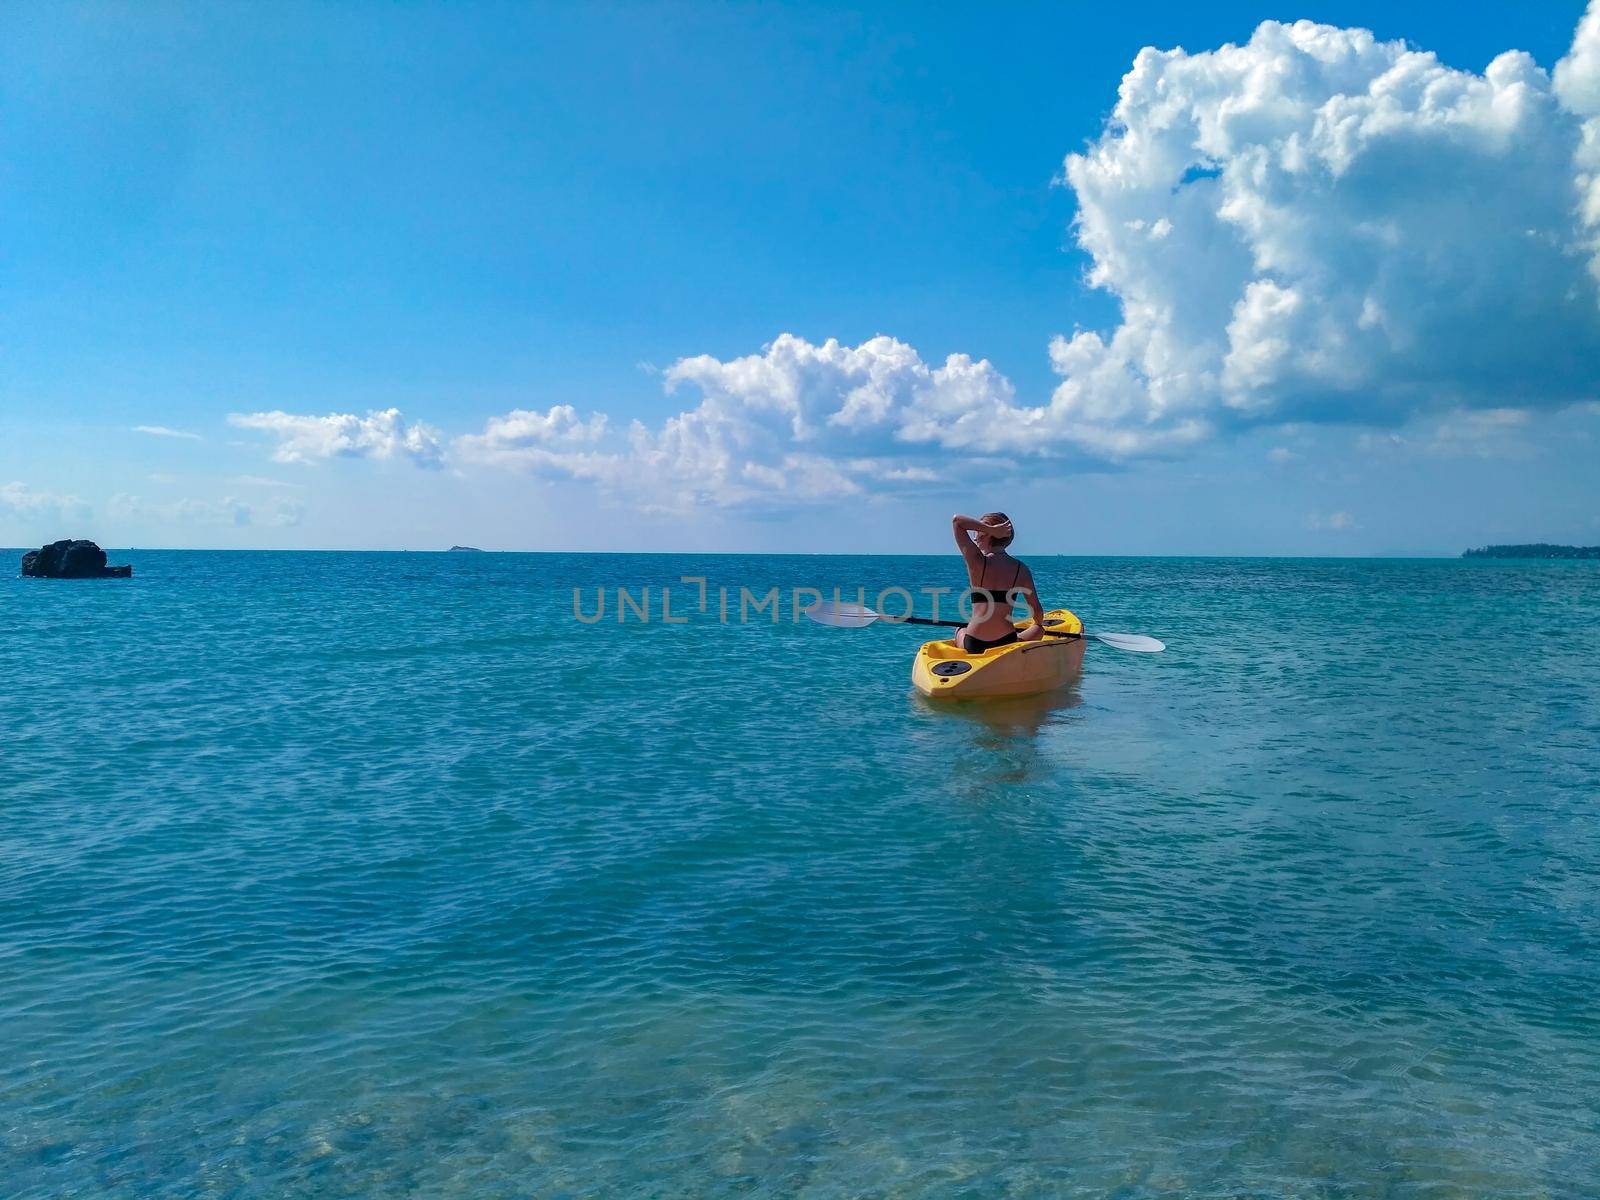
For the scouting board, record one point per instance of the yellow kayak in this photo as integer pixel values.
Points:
(1020, 669)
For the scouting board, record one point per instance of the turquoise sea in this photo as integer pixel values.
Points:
(379, 875)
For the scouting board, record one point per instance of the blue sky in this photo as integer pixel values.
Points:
(1343, 302)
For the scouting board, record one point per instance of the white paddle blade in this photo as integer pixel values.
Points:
(841, 616)
(1136, 642)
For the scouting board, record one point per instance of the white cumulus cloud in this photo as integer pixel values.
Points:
(798, 420)
(380, 434)
(1348, 230)
(530, 438)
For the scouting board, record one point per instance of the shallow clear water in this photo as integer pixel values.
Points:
(379, 875)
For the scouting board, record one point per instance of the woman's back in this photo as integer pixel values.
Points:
(996, 579)
(998, 564)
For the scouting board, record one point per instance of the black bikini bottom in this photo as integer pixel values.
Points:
(977, 645)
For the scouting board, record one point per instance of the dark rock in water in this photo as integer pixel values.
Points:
(466, 549)
(68, 559)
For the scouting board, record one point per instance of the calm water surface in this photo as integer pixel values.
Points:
(378, 876)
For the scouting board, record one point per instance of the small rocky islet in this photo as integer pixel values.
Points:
(71, 559)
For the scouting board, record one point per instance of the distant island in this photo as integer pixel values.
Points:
(465, 550)
(1534, 550)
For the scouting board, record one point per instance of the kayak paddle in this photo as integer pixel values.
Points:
(856, 616)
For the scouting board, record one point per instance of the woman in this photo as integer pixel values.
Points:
(997, 580)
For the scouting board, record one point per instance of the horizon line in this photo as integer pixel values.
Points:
(1436, 556)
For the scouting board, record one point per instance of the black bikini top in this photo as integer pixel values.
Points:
(983, 595)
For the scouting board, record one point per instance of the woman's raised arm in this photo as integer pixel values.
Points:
(964, 528)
